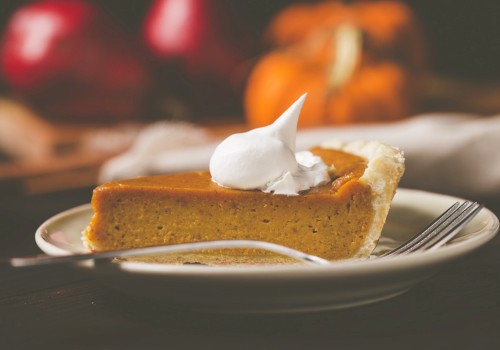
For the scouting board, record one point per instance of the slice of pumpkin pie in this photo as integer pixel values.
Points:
(331, 201)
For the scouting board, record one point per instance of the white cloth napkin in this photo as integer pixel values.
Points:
(457, 154)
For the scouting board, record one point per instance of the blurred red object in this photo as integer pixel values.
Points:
(189, 31)
(70, 61)
(194, 41)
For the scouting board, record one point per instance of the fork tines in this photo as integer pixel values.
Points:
(441, 230)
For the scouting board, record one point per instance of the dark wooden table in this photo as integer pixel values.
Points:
(56, 308)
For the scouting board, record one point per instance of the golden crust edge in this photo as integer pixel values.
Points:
(385, 167)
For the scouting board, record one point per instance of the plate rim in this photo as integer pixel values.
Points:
(345, 268)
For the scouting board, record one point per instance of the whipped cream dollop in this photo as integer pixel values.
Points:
(265, 159)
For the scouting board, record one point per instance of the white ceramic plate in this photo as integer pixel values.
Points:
(282, 288)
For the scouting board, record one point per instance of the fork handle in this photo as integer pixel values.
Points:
(176, 248)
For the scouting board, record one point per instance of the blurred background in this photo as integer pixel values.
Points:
(80, 80)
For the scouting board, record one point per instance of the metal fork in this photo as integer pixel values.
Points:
(440, 231)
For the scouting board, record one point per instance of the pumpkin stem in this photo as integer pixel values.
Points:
(348, 46)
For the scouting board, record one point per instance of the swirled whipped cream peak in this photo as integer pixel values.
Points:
(265, 159)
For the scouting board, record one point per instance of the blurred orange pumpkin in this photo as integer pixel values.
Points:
(357, 62)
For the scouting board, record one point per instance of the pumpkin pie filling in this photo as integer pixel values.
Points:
(329, 221)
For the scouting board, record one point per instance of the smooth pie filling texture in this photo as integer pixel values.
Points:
(339, 220)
